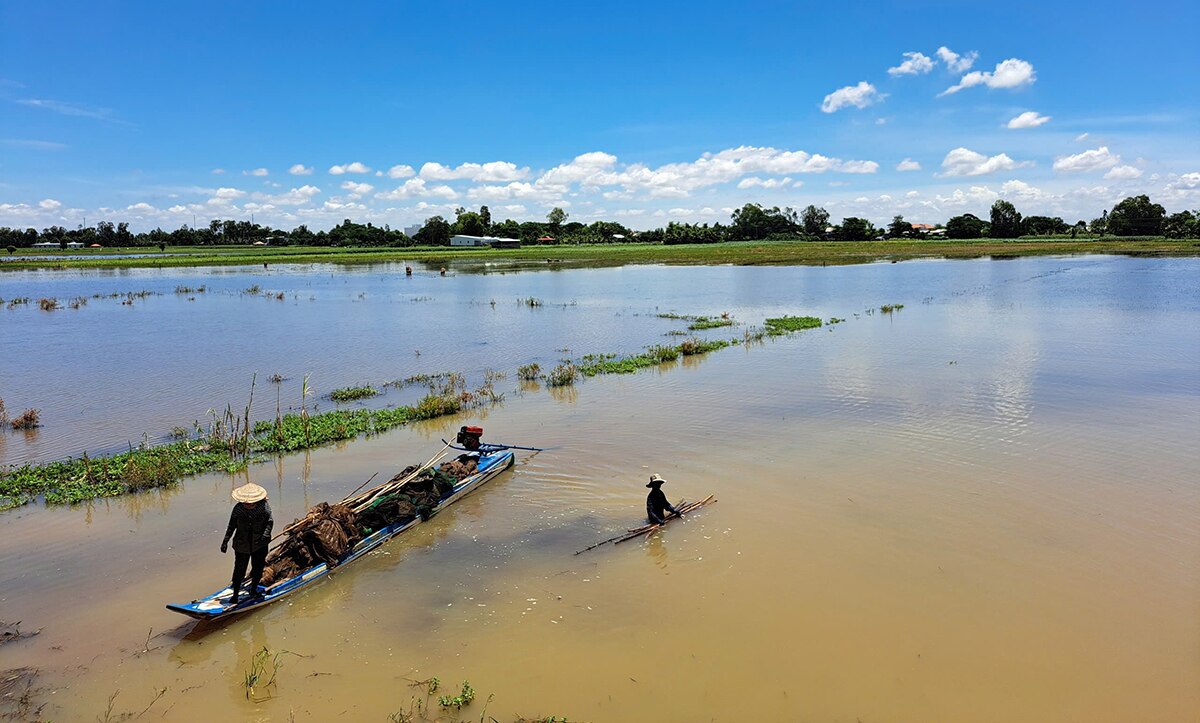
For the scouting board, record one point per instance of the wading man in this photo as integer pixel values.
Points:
(656, 502)
(250, 526)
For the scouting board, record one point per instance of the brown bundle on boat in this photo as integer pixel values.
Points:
(460, 468)
(325, 534)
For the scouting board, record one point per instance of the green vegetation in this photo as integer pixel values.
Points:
(350, 394)
(228, 444)
(29, 419)
(48, 304)
(703, 322)
(562, 375)
(787, 324)
(529, 372)
(889, 308)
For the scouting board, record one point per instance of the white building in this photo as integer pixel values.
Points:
(475, 241)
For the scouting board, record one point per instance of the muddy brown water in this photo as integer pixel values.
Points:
(982, 507)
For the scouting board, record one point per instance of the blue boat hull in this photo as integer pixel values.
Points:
(217, 605)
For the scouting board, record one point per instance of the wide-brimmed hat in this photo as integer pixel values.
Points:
(655, 480)
(249, 493)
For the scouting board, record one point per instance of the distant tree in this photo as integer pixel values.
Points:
(965, 226)
(507, 229)
(1136, 216)
(1006, 221)
(1043, 226)
(11, 250)
(556, 217)
(469, 223)
(814, 220)
(435, 232)
(856, 229)
(1099, 225)
(1182, 225)
(899, 228)
(486, 214)
(162, 247)
(106, 234)
(753, 222)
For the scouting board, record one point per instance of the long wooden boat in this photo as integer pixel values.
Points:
(216, 605)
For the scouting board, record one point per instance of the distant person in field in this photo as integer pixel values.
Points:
(657, 504)
(250, 526)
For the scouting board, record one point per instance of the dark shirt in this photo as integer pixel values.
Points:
(657, 505)
(250, 528)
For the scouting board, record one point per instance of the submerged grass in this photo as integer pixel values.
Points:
(228, 444)
(787, 324)
(349, 394)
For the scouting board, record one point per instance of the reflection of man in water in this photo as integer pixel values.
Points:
(250, 526)
(656, 502)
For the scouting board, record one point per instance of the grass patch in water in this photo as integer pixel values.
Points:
(889, 308)
(350, 394)
(703, 322)
(781, 325)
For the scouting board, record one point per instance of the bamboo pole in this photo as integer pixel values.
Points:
(647, 529)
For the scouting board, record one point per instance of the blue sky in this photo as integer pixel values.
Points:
(391, 112)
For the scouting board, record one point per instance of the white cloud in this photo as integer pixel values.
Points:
(400, 171)
(294, 197)
(256, 172)
(49, 204)
(1011, 73)
(957, 63)
(908, 164)
(756, 182)
(143, 208)
(1028, 119)
(217, 171)
(859, 96)
(965, 162)
(1123, 173)
(1092, 160)
(977, 196)
(354, 167)
(300, 169)
(589, 168)
(417, 188)
(1081, 137)
(494, 172)
(359, 189)
(915, 64)
(1020, 190)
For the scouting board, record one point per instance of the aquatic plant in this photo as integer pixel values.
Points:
(889, 308)
(254, 290)
(189, 290)
(264, 668)
(78, 302)
(3, 412)
(349, 394)
(834, 320)
(531, 302)
(529, 372)
(562, 375)
(692, 347)
(19, 301)
(457, 702)
(703, 322)
(29, 419)
(276, 378)
(787, 324)
(48, 304)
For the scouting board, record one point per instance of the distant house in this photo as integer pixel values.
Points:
(922, 227)
(546, 240)
(462, 240)
(74, 244)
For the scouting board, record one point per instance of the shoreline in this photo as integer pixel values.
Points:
(740, 253)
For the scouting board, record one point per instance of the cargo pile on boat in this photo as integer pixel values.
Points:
(327, 532)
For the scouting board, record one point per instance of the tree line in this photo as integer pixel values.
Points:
(1135, 216)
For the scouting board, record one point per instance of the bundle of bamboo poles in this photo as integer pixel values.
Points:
(359, 502)
(683, 507)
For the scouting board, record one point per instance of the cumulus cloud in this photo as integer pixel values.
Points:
(1081, 137)
(1020, 190)
(256, 172)
(494, 172)
(359, 189)
(141, 208)
(1028, 119)
(756, 182)
(354, 167)
(417, 188)
(400, 171)
(914, 64)
(300, 169)
(217, 171)
(49, 204)
(965, 162)
(1123, 173)
(908, 164)
(955, 62)
(859, 96)
(1011, 73)
(1092, 160)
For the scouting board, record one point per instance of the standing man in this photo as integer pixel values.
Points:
(250, 526)
(656, 502)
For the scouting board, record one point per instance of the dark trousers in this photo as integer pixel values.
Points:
(257, 561)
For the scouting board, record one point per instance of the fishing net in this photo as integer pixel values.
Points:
(325, 534)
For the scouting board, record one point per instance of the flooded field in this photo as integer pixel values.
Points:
(979, 507)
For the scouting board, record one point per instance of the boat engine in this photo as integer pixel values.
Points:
(469, 437)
